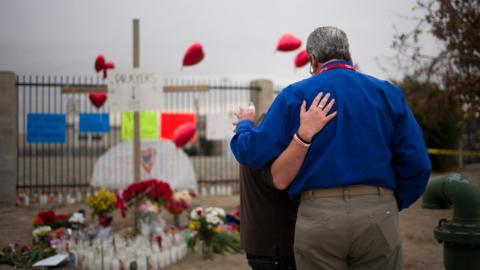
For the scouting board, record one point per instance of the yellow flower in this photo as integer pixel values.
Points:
(192, 226)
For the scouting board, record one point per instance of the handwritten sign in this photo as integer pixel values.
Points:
(94, 123)
(148, 126)
(46, 128)
(135, 91)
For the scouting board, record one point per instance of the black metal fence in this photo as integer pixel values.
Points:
(46, 168)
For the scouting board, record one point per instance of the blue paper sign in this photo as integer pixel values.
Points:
(94, 123)
(46, 128)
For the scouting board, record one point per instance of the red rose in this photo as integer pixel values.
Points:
(61, 217)
(24, 249)
(38, 221)
(47, 216)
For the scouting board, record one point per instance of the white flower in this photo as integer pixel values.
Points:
(183, 195)
(216, 211)
(213, 219)
(77, 218)
(41, 230)
(197, 213)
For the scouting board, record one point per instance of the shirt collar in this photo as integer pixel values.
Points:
(336, 62)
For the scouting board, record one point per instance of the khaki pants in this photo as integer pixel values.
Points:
(357, 232)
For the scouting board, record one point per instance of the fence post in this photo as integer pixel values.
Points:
(8, 133)
(263, 98)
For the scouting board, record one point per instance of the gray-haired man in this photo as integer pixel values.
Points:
(373, 149)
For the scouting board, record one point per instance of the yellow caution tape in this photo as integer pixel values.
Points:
(450, 152)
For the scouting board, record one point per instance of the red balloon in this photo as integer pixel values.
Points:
(301, 59)
(99, 63)
(288, 42)
(183, 134)
(98, 99)
(193, 55)
(109, 65)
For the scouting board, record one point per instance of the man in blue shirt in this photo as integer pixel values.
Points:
(374, 148)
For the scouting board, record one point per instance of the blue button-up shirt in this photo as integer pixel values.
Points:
(374, 139)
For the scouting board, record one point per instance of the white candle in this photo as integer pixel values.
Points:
(142, 263)
(79, 196)
(167, 257)
(115, 264)
(173, 254)
(27, 200)
(160, 260)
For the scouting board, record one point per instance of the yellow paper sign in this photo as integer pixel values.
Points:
(148, 126)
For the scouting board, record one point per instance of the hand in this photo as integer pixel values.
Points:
(315, 118)
(246, 113)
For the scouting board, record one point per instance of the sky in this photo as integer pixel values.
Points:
(59, 37)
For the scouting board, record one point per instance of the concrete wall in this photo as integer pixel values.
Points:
(263, 98)
(8, 137)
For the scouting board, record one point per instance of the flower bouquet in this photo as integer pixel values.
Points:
(77, 220)
(150, 219)
(148, 197)
(207, 228)
(102, 204)
(51, 219)
(22, 256)
(179, 203)
(154, 190)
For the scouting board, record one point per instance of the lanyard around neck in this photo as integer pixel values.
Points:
(340, 65)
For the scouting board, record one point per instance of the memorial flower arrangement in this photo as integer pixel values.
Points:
(77, 220)
(148, 211)
(102, 204)
(180, 202)
(23, 256)
(50, 218)
(155, 190)
(207, 227)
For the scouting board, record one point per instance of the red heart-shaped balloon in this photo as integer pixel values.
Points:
(109, 65)
(193, 55)
(99, 63)
(288, 42)
(301, 59)
(98, 99)
(183, 134)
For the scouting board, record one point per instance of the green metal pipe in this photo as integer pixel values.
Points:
(461, 236)
(457, 191)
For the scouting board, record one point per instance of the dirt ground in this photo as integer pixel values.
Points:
(421, 250)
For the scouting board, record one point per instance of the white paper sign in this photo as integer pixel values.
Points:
(135, 91)
(219, 126)
(51, 261)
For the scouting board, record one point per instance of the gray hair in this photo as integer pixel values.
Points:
(327, 43)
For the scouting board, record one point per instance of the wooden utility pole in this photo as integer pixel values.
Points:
(136, 115)
(136, 121)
